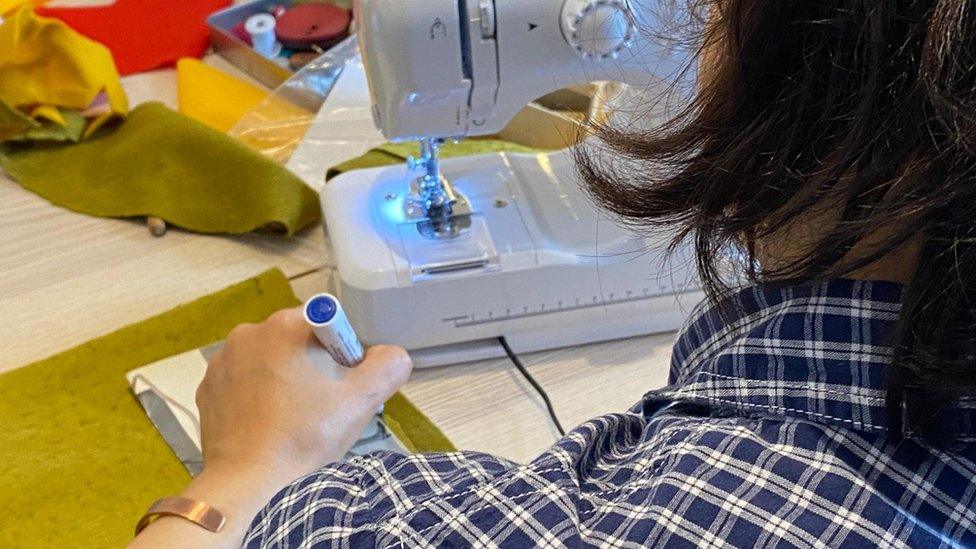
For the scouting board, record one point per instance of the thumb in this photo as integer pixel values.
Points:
(384, 369)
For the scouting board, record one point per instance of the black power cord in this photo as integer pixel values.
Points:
(535, 384)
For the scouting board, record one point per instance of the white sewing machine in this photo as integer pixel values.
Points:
(445, 257)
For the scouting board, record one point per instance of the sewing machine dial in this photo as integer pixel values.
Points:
(597, 29)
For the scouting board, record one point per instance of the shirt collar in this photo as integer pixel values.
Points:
(817, 352)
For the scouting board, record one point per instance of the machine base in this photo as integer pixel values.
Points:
(567, 336)
(540, 265)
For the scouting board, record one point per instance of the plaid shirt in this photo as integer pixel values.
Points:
(772, 432)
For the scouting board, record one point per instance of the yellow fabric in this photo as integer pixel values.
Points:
(213, 97)
(46, 64)
(79, 460)
(50, 113)
(7, 6)
(96, 123)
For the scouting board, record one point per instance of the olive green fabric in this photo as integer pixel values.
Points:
(389, 154)
(46, 130)
(412, 427)
(79, 460)
(13, 122)
(161, 163)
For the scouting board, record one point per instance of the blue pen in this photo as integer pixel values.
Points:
(331, 327)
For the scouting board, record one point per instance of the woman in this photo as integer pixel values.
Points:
(831, 146)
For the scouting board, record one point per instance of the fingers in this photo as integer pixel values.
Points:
(384, 369)
(283, 329)
(286, 333)
(281, 337)
(289, 324)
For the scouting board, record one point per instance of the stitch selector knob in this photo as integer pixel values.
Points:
(597, 29)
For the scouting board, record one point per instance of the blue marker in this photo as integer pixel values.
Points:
(331, 326)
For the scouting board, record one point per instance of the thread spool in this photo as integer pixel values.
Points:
(318, 24)
(261, 27)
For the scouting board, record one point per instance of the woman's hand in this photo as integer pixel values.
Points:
(274, 398)
(273, 407)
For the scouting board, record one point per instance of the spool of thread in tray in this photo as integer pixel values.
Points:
(261, 28)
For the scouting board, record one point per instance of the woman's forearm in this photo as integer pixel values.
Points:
(237, 491)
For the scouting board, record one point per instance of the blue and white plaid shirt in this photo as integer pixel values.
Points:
(772, 432)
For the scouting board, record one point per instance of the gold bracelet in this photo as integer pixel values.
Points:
(197, 512)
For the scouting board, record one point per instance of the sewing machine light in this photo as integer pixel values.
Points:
(391, 209)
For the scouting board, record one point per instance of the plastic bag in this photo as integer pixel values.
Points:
(278, 124)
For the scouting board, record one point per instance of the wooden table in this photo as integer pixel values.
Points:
(66, 278)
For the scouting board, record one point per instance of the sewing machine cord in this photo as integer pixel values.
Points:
(535, 384)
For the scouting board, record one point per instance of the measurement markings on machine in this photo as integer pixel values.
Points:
(561, 307)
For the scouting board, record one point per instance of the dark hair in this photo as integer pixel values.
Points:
(863, 108)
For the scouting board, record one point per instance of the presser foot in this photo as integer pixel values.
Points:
(438, 209)
(443, 229)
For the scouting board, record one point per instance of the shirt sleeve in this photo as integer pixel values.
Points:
(680, 480)
(446, 499)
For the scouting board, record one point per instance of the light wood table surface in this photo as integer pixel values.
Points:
(66, 278)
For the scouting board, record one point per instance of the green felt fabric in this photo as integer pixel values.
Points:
(395, 153)
(79, 460)
(158, 162)
(412, 427)
(45, 130)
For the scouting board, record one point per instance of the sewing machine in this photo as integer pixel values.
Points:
(443, 257)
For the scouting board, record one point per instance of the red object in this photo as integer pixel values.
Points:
(241, 33)
(306, 24)
(144, 34)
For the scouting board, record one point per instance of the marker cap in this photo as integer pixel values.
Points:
(321, 309)
(333, 330)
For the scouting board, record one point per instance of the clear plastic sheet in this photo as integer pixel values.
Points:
(278, 124)
(296, 125)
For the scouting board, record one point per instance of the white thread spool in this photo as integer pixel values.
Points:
(261, 27)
